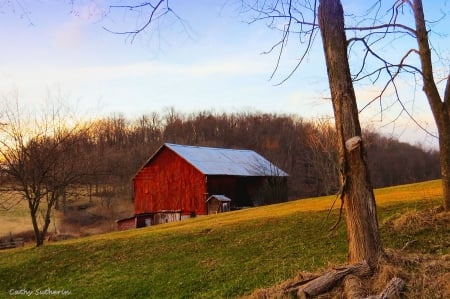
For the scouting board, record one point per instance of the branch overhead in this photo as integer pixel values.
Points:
(149, 15)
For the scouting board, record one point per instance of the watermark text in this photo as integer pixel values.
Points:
(39, 292)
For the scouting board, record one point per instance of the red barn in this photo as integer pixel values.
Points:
(177, 181)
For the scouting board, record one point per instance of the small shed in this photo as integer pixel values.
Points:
(218, 204)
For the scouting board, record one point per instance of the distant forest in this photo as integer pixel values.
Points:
(306, 150)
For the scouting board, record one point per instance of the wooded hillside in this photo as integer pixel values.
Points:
(119, 146)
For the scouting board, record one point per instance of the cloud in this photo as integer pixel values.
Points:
(71, 32)
(145, 79)
(69, 35)
(44, 75)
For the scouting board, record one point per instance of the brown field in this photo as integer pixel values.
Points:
(83, 217)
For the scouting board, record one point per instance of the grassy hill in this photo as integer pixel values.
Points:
(225, 255)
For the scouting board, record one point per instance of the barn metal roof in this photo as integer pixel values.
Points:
(221, 161)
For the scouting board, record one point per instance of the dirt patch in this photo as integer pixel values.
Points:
(90, 218)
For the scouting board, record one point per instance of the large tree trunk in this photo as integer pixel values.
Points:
(356, 190)
(440, 109)
(33, 205)
(444, 146)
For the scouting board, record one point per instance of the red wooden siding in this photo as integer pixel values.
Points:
(168, 182)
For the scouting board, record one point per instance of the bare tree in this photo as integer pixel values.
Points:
(440, 106)
(323, 157)
(356, 189)
(41, 158)
(410, 64)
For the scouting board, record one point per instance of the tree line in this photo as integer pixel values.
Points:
(304, 149)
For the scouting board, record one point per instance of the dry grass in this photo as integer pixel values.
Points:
(414, 221)
(279, 291)
(427, 276)
(410, 192)
(97, 218)
(15, 220)
(86, 218)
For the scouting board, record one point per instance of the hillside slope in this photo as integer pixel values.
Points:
(225, 255)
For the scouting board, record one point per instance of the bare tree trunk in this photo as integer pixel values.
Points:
(33, 214)
(356, 190)
(64, 200)
(37, 233)
(444, 146)
(440, 109)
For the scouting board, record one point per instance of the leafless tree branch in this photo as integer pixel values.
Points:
(391, 70)
(157, 11)
(447, 91)
(296, 23)
(386, 26)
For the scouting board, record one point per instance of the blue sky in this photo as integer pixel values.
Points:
(216, 64)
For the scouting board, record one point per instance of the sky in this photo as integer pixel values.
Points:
(211, 60)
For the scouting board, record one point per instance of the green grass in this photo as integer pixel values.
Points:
(221, 256)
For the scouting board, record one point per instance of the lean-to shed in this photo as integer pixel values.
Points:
(177, 181)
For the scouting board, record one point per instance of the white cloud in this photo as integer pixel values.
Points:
(41, 75)
(71, 33)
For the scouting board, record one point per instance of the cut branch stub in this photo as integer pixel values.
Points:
(352, 143)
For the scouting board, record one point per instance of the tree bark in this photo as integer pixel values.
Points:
(33, 207)
(440, 108)
(444, 147)
(356, 190)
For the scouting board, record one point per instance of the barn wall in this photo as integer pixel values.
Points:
(169, 183)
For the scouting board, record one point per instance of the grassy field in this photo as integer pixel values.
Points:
(222, 256)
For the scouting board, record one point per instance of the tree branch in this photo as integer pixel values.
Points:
(387, 26)
(152, 17)
(289, 11)
(447, 91)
